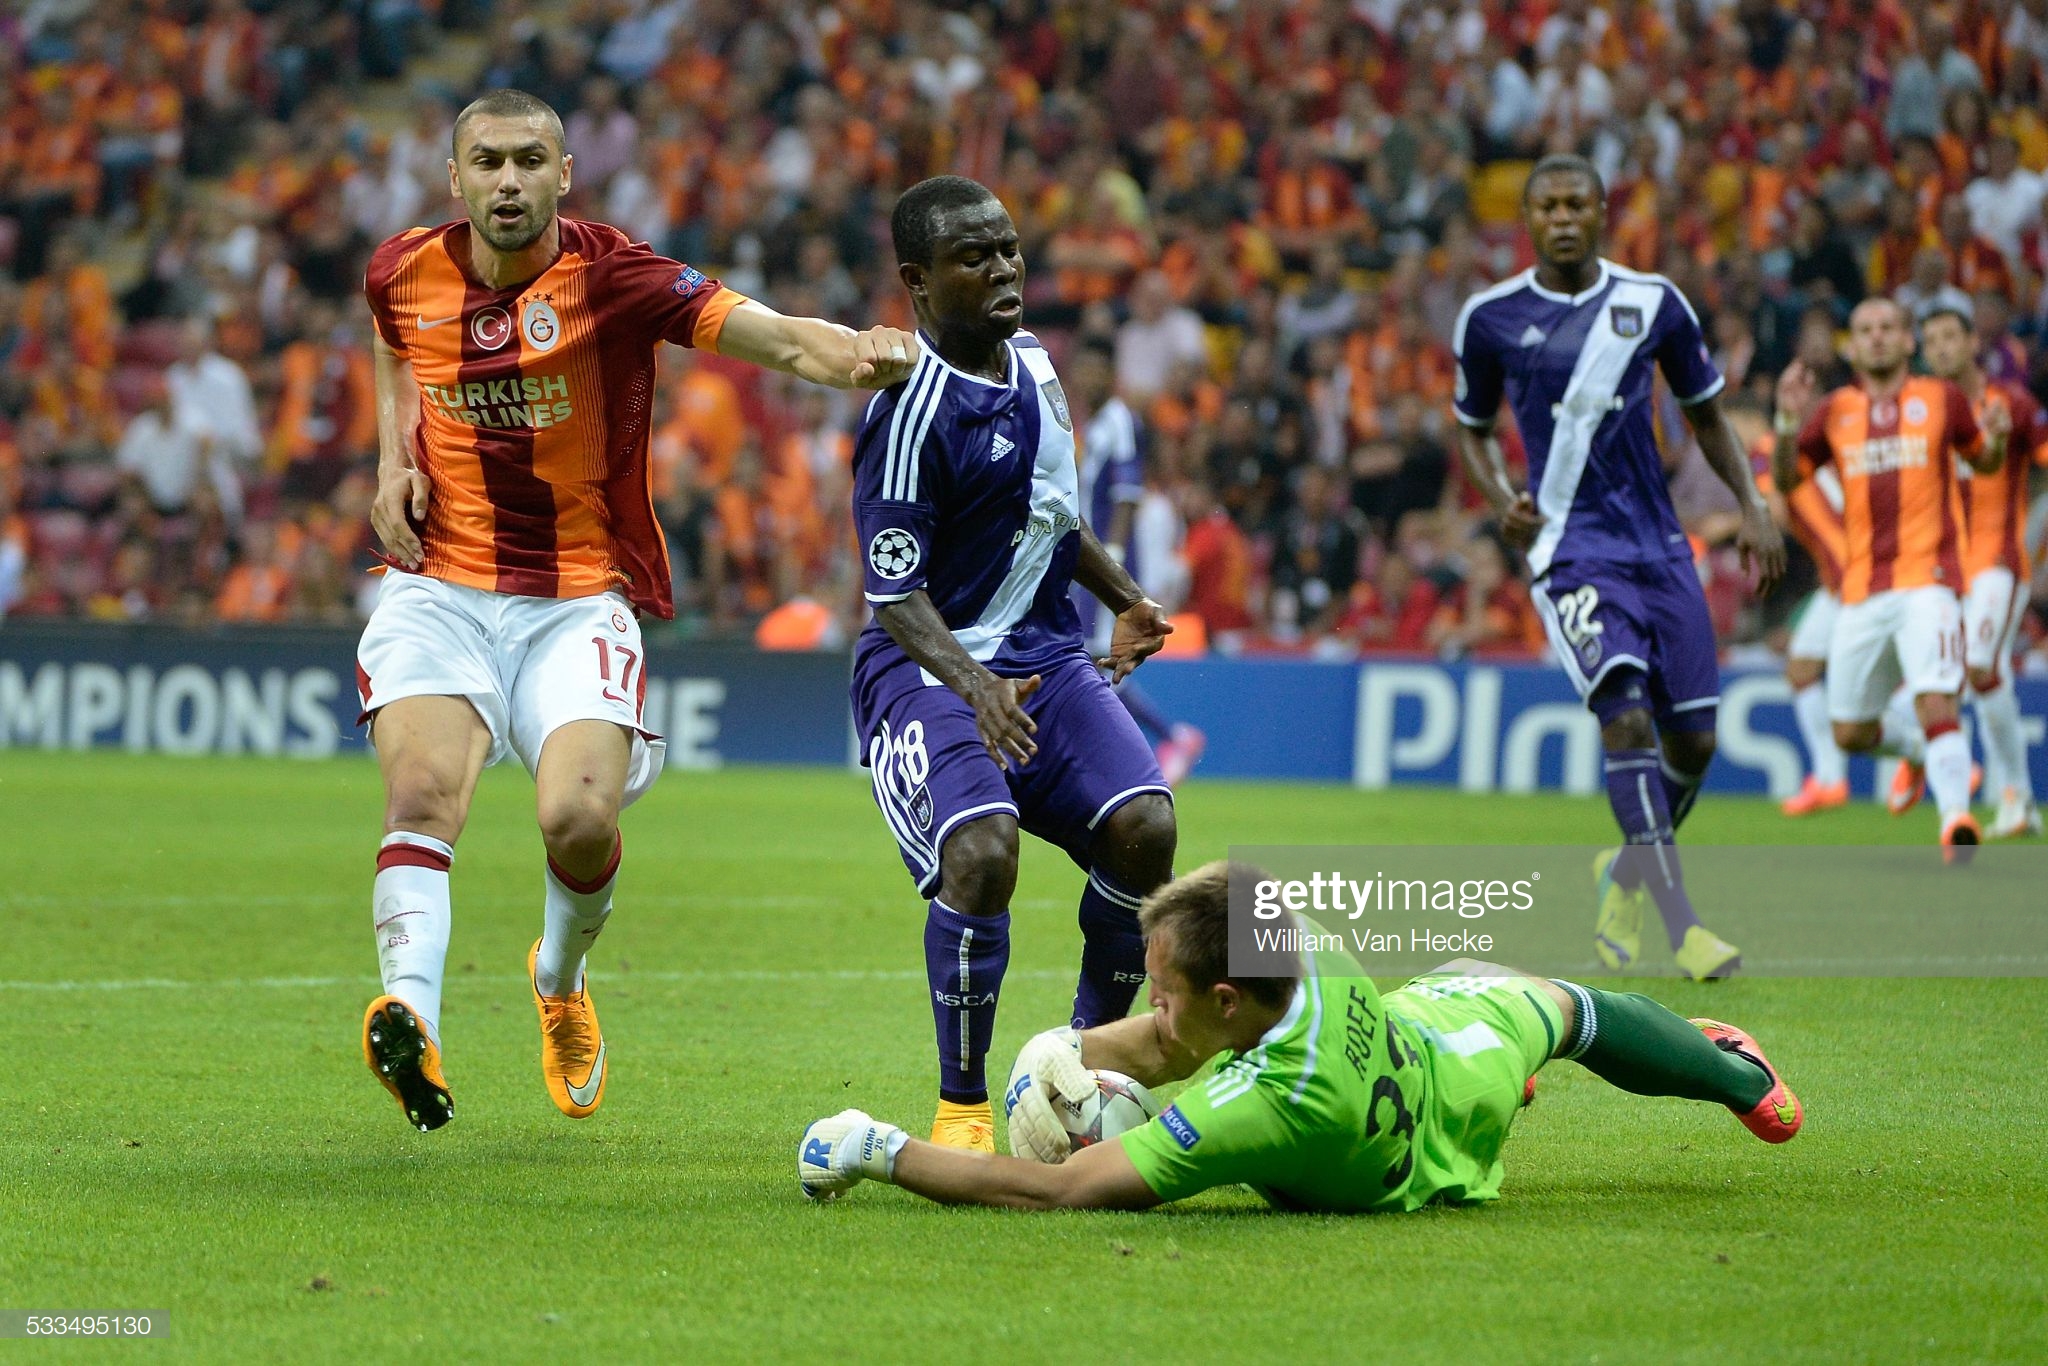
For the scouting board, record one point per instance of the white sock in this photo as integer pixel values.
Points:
(576, 912)
(1902, 735)
(1948, 771)
(1810, 706)
(411, 913)
(2005, 748)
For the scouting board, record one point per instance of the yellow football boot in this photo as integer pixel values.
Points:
(571, 1046)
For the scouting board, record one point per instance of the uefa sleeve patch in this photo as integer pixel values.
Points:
(1177, 1124)
(894, 553)
(689, 282)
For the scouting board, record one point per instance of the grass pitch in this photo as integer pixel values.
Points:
(189, 1126)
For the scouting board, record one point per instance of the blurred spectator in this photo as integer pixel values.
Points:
(1488, 612)
(258, 588)
(1316, 560)
(169, 455)
(211, 394)
(605, 136)
(1391, 611)
(1219, 561)
(1160, 337)
(2006, 200)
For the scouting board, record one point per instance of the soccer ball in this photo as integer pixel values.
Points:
(1119, 1105)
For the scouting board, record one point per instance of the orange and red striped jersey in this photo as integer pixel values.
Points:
(1995, 505)
(1902, 511)
(535, 403)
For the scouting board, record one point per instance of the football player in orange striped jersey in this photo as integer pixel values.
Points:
(515, 370)
(1895, 438)
(1995, 561)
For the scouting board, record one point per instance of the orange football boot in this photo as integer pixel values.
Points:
(571, 1046)
(407, 1063)
(1775, 1118)
(972, 1127)
(1814, 795)
(1960, 834)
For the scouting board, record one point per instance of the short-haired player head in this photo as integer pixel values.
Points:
(1564, 205)
(510, 168)
(1948, 343)
(1880, 339)
(958, 255)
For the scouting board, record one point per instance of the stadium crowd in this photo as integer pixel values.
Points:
(1268, 213)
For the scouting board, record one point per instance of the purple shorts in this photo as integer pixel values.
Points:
(1651, 617)
(931, 773)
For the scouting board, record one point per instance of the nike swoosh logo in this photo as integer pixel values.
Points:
(426, 322)
(587, 1092)
(1786, 1113)
(400, 916)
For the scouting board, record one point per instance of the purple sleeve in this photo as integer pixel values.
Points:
(1682, 351)
(1476, 398)
(893, 513)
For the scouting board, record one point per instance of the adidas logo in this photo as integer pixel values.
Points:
(1003, 446)
(1534, 336)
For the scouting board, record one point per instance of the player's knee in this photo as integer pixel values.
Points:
(1630, 729)
(1858, 737)
(1984, 680)
(1137, 842)
(1804, 673)
(1936, 709)
(1690, 751)
(424, 799)
(979, 866)
(578, 826)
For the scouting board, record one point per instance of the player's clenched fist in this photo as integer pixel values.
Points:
(1048, 1065)
(883, 356)
(1797, 390)
(1520, 523)
(401, 503)
(838, 1153)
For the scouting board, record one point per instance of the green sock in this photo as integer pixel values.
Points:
(1630, 1041)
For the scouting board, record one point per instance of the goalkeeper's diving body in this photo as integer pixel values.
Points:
(1326, 1095)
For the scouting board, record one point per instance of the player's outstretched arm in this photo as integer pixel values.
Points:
(815, 350)
(1141, 624)
(1006, 728)
(402, 489)
(838, 1153)
(1758, 540)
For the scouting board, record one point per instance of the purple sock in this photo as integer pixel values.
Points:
(1635, 789)
(1112, 953)
(1144, 711)
(965, 957)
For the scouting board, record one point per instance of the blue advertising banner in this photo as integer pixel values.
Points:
(1480, 727)
(292, 692)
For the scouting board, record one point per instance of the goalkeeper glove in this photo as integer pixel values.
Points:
(1048, 1065)
(836, 1154)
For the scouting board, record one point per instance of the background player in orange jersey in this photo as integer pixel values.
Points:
(1895, 438)
(1813, 514)
(515, 373)
(1995, 561)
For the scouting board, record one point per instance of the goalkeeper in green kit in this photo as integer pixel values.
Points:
(1329, 1096)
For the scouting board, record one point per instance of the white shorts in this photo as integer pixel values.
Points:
(1909, 635)
(1816, 626)
(1992, 614)
(528, 665)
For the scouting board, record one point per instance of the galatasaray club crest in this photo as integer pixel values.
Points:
(1627, 319)
(1057, 397)
(543, 329)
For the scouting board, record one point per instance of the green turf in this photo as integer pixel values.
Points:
(189, 1125)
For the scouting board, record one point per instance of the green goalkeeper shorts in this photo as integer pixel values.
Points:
(1484, 1037)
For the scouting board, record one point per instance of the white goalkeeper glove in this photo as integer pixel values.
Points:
(836, 1154)
(1048, 1065)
